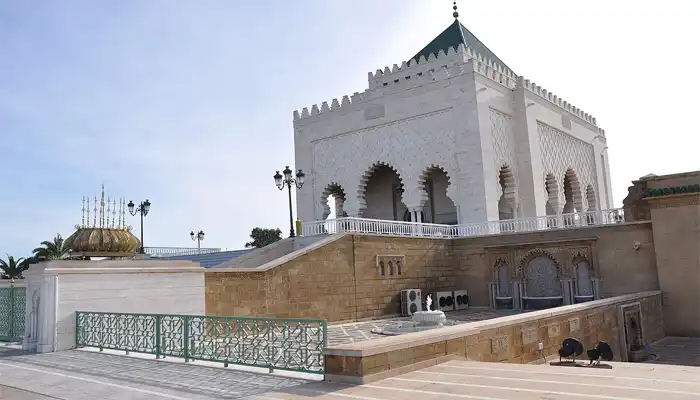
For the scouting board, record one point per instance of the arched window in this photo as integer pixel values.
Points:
(398, 267)
(381, 268)
(391, 268)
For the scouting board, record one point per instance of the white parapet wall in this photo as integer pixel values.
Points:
(57, 289)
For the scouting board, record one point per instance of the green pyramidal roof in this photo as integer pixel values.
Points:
(455, 35)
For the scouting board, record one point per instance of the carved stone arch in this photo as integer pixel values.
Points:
(551, 193)
(339, 194)
(571, 181)
(497, 264)
(536, 253)
(591, 201)
(506, 182)
(362, 188)
(425, 174)
(582, 256)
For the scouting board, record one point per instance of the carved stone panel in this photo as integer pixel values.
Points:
(574, 324)
(553, 331)
(529, 335)
(499, 344)
(542, 277)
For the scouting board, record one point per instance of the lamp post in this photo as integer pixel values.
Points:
(287, 180)
(198, 237)
(142, 209)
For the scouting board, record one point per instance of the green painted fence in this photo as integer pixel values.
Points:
(274, 343)
(13, 300)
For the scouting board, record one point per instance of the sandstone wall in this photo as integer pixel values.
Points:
(342, 281)
(508, 339)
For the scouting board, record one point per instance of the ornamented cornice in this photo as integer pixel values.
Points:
(674, 200)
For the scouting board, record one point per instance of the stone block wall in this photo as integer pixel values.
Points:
(511, 339)
(342, 281)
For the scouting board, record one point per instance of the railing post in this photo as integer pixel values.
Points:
(12, 311)
(77, 329)
(186, 337)
(158, 334)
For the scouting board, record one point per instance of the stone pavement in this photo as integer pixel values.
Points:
(89, 375)
(83, 375)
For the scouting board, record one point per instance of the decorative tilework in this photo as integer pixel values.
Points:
(409, 146)
(503, 142)
(561, 151)
(499, 344)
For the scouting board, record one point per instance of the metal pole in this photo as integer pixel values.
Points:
(141, 212)
(291, 217)
(198, 245)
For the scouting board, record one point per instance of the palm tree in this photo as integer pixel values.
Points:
(13, 268)
(54, 250)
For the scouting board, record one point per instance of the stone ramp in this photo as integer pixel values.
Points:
(499, 381)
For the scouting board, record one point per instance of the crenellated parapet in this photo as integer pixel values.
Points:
(436, 67)
(534, 88)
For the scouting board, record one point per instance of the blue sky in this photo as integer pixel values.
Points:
(189, 103)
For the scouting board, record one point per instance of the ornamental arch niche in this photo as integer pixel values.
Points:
(332, 200)
(380, 193)
(541, 274)
(437, 206)
(583, 274)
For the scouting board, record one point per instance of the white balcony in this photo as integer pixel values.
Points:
(415, 229)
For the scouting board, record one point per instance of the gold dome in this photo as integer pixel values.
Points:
(95, 240)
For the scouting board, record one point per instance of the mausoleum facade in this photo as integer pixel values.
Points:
(452, 136)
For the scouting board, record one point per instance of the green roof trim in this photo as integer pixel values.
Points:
(453, 36)
(672, 190)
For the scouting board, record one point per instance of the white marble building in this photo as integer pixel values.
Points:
(451, 136)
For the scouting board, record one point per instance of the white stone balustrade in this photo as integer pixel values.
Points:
(416, 229)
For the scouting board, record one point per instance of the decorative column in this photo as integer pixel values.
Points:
(493, 292)
(518, 294)
(567, 291)
(595, 282)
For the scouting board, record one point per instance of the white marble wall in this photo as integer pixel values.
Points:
(57, 289)
(463, 118)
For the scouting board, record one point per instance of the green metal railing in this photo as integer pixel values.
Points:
(13, 302)
(274, 343)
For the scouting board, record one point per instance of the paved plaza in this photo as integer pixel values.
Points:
(83, 375)
(361, 331)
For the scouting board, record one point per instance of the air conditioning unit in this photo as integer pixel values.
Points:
(411, 301)
(443, 301)
(461, 299)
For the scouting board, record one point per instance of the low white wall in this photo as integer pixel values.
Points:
(58, 289)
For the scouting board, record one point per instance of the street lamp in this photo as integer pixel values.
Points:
(198, 237)
(142, 209)
(287, 180)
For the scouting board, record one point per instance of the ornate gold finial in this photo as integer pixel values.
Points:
(454, 7)
(82, 219)
(87, 223)
(102, 207)
(94, 217)
(114, 211)
(109, 204)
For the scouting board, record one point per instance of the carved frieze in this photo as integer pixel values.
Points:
(574, 324)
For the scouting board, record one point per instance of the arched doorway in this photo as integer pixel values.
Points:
(332, 200)
(572, 198)
(438, 208)
(381, 194)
